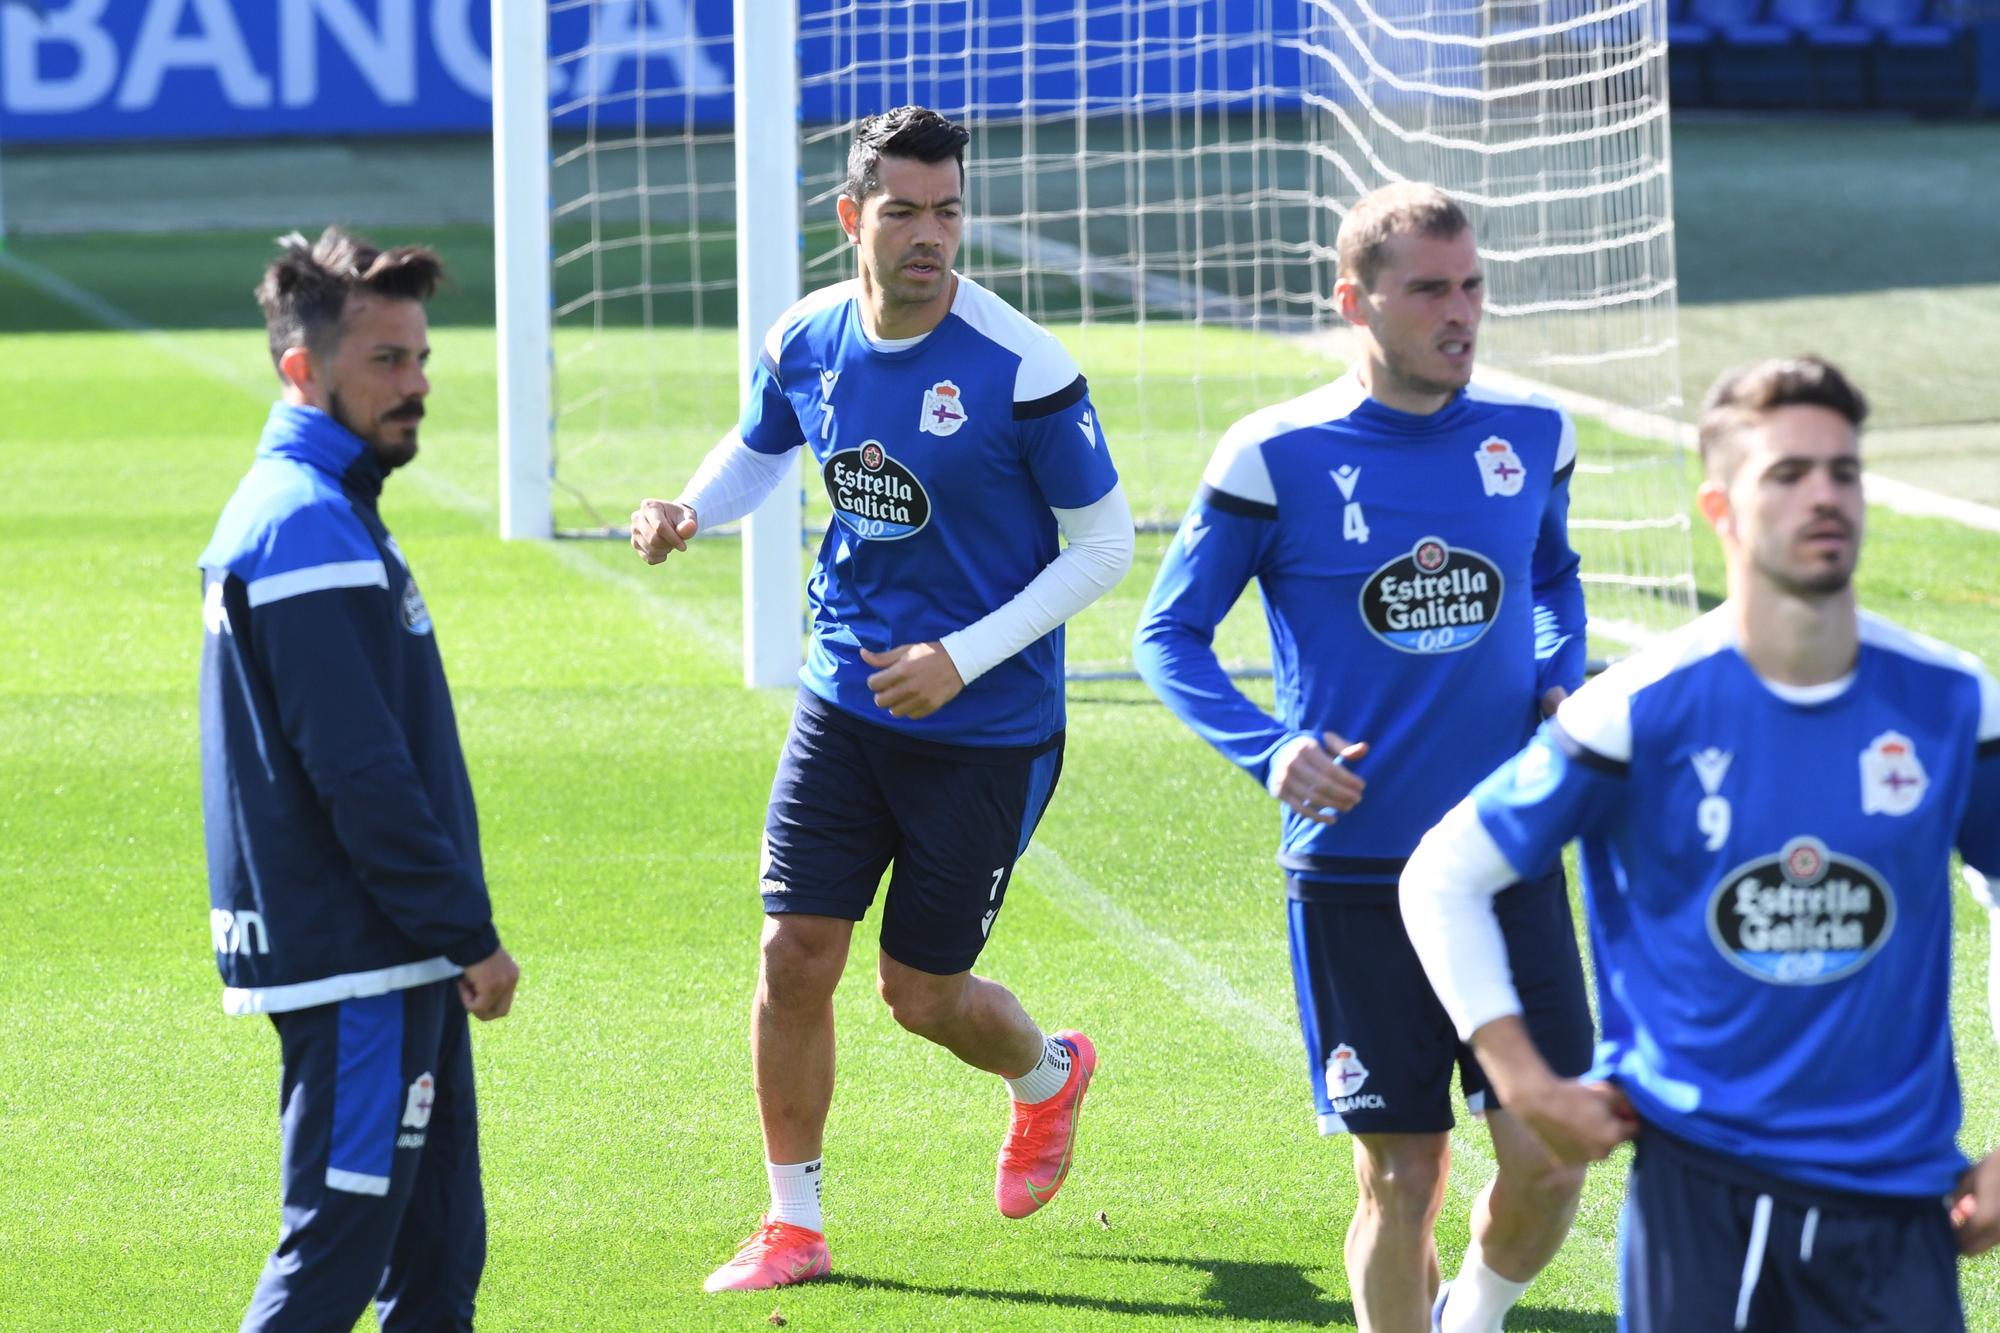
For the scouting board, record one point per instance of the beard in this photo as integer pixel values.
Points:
(1414, 381)
(392, 437)
(1807, 585)
(910, 291)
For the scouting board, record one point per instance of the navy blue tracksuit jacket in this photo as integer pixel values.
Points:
(343, 849)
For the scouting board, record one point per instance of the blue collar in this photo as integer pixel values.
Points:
(310, 436)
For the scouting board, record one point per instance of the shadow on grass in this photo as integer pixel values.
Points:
(1237, 1289)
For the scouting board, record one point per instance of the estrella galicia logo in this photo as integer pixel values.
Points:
(1433, 600)
(874, 494)
(1802, 917)
(416, 616)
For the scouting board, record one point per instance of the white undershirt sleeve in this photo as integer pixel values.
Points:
(1447, 899)
(1097, 551)
(733, 480)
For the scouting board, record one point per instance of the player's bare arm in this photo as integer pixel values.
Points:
(1314, 777)
(1552, 699)
(660, 527)
(1975, 1208)
(1578, 1122)
(915, 680)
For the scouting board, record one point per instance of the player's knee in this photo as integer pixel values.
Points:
(1549, 1184)
(1401, 1184)
(798, 968)
(919, 1003)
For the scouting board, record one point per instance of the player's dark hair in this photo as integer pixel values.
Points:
(1406, 208)
(915, 132)
(1746, 395)
(304, 291)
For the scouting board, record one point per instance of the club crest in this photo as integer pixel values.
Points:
(417, 1105)
(1500, 468)
(1892, 780)
(944, 409)
(1344, 1072)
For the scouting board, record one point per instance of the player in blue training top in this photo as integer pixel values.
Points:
(346, 895)
(1408, 530)
(956, 440)
(1768, 800)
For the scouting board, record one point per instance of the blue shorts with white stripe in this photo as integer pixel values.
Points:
(381, 1166)
(1712, 1242)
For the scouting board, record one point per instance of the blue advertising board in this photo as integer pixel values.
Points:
(78, 70)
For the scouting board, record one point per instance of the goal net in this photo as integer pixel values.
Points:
(1159, 182)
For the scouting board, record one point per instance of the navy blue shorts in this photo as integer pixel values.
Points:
(851, 799)
(1380, 1049)
(381, 1167)
(1706, 1242)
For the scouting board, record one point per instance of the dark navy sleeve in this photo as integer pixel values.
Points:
(1221, 545)
(1062, 440)
(1560, 641)
(326, 652)
(1979, 831)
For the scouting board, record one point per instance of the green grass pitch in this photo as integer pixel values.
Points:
(621, 770)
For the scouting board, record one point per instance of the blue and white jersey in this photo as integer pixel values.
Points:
(942, 461)
(1421, 594)
(1767, 874)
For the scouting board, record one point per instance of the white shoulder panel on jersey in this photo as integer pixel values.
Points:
(1480, 392)
(1599, 716)
(1046, 367)
(1237, 465)
(805, 306)
(1888, 635)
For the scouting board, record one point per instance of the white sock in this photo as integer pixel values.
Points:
(1048, 1076)
(1480, 1298)
(795, 1193)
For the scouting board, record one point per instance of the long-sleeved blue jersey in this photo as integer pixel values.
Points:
(343, 849)
(1421, 594)
(1767, 871)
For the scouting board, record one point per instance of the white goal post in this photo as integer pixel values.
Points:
(1158, 181)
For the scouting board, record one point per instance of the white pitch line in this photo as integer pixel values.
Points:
(93, 306)
(1202, 985)
(1206, 990)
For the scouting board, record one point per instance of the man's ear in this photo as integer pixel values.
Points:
(1712, 499)
(1350, 299)
(849, 213)
(295, 368)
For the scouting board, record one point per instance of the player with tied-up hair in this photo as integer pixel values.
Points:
(1407, 527)
(347, 899)
(1767, 802)
(955, 440)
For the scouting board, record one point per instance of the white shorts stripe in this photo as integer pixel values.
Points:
(355, 1182)
(1753, 1259)
(318, 578)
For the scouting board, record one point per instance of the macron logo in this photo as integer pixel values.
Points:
(1345, 477)
(1710, 765)
(1088, 428)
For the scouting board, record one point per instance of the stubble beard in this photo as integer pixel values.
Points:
(1416, 384)
(1815, 586)
(390, 451)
